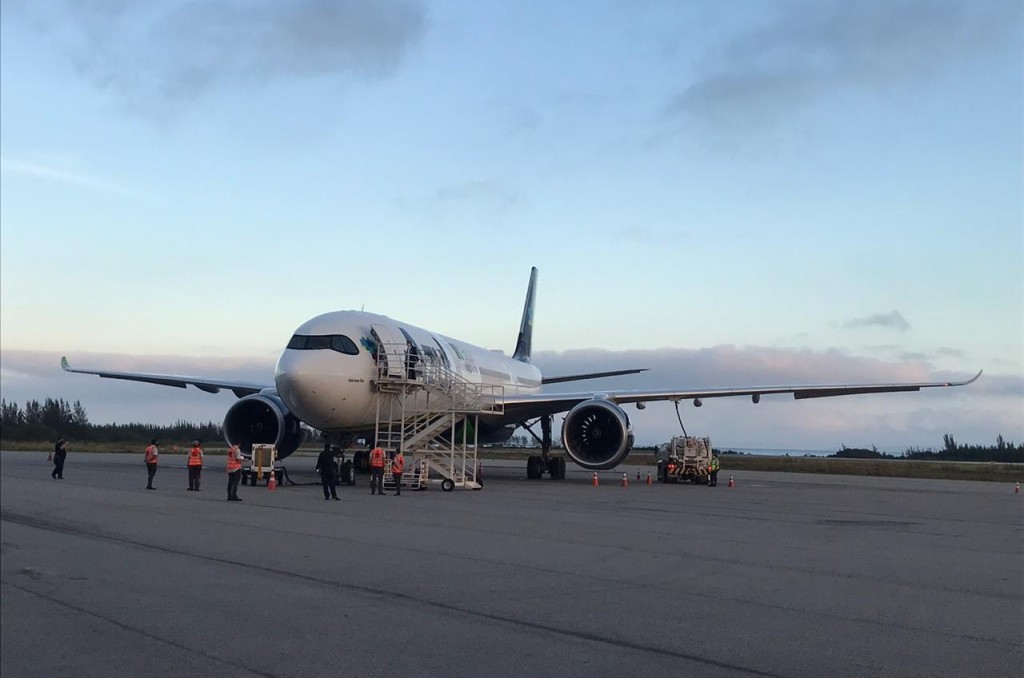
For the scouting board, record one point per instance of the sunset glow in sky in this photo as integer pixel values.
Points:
(729, 193)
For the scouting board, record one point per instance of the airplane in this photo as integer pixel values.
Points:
(328, 378)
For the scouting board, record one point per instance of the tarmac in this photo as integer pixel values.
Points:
(783, 575)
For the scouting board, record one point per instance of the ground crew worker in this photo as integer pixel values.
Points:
(195, 465)
(234, 472)
(377, 471)
(397, 467)
(713, 467)
(60, 453)
(152, 456)
(325, 462)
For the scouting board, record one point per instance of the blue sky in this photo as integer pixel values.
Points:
(818, 192)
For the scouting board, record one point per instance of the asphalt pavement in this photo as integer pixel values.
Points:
(782, 575)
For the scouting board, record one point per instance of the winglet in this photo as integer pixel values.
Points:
(969, 381)
(525, 341)
(64, 364)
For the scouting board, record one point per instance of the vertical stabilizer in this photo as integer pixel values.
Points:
(525, 340)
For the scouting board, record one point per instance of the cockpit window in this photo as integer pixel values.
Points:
(334, 342)
(342, 344)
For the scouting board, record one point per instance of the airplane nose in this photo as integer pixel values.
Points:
(314, 386)
(298, 384)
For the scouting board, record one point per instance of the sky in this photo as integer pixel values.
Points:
(728, 193)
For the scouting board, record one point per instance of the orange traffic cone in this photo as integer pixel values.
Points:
(272, 481)
(1016, 488)
(648, 477)
(596, 482)
(732, 483)
(625, 480)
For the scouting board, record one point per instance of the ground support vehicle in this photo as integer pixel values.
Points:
(685, 459)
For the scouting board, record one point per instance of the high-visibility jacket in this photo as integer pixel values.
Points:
(377, 458)
(398, 463)
(234, 462)
(714, 465)
(195, 456)
(152, 454)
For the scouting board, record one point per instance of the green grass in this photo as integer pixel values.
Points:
(218, 447)
(891, 468)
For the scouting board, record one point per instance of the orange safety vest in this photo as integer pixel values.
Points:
(195, 456)
(151, 454)
(233, 462)
(377, 458)
(398, 464)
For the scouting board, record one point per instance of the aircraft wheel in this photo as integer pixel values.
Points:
(557, 468)
(447, 484)
(534, 467)
(347, 474)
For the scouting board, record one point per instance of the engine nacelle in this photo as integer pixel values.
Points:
(263, 419)
(597, 434)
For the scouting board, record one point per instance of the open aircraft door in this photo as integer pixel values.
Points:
(394, 347)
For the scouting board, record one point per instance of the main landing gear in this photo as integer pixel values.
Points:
(538, 465)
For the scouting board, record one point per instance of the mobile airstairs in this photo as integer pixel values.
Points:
(431, 413)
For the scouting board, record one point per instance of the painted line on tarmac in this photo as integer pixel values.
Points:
(36, 523)
(132, 629)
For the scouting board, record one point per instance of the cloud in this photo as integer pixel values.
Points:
(468, 203)
(172, 52)
(482, 192)
(40, 171)
(892, 320)
(977, 413)
(26, 375)
(808, 50)
(640, 235)
(992, 405)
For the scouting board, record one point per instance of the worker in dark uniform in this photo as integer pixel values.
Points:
(325, 463)
(397, 467)
(152, 458)
(713, 467)
(60, 453)
(377, 471)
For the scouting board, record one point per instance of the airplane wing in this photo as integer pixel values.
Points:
(590, 375)
(539, 404)
(239, 388)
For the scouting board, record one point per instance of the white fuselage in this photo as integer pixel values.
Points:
(329, 384)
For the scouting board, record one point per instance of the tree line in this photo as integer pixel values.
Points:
(1003, 452)
(56, 417)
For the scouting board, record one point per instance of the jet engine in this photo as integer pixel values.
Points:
(263, 419)
(597, 434)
